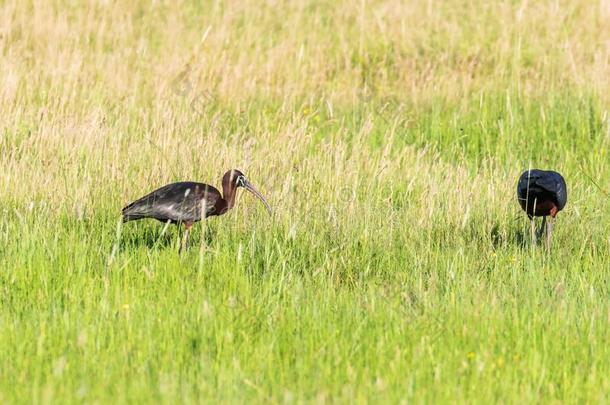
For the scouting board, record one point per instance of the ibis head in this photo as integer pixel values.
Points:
(235, 178)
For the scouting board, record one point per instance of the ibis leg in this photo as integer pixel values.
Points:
(533, 231)
(549, 232)
(185, 237)
(542, 228)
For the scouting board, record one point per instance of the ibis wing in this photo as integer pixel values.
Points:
(177, 202)
(527, 187)
(555, 184)
(548, 183)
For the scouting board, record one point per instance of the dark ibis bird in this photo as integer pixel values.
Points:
(187, 202)
(542, 193)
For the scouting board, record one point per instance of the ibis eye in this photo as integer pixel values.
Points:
(241, 181)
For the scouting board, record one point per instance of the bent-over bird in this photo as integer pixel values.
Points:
(542, 193)
(184, 202)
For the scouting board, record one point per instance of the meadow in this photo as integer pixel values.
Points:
(388, 137)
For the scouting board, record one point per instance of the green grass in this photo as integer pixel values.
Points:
(388, 137)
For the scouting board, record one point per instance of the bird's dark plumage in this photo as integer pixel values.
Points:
(176, 202)
(541, 192)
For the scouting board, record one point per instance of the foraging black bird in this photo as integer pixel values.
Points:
(184, 202)
(542, 193)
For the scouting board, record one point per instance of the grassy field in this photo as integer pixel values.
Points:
(388, 136)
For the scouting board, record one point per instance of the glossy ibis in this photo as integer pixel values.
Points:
(542, 193)
(184, 202)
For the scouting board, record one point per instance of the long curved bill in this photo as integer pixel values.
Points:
(248, 186)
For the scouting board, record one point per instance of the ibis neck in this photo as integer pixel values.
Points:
(228, 194)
